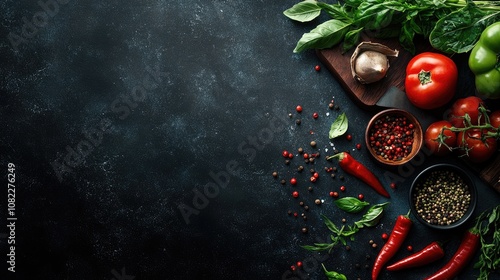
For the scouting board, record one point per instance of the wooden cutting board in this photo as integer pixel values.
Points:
(389, 92)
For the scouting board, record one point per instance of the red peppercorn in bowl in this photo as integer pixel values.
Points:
(393, 136)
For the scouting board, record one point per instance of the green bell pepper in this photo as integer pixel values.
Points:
(484, 61)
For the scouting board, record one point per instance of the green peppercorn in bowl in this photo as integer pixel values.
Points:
(393, 137)
(443, 196)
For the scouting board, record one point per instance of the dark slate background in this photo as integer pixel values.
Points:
(117, 113)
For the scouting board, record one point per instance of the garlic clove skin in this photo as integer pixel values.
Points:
(369, 62)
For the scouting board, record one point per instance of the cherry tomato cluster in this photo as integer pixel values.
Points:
(469, 128)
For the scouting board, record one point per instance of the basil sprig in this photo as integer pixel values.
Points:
(351, 204)
(369, 219)
(339, 126)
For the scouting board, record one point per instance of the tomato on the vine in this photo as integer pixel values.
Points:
(468, 105)
(431, 80)
(436, 135)
(495, 119)
(479, 148)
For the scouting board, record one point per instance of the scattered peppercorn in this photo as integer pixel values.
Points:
(342, 188)
(343, 220)
(374, 245)
(304, 230)
(300, 150)
(287, 162)
(385, 236)
(317, 201)
(275, 174)
(293, 268)
(300, 168)
(289, 212)
(305, 155)
(393, 185)
(283, 181)
(348, 137)
(301, 203)
(299, 264)
(310, 188)
(290, 155)
(409, 248)
(317, 68)
(358, 146)
(295, 194)
(315, 115)
(313, 144)
(285, 153)
(293, 181)
(298, 109)
(306, 208)
(361, 196)
(348, 248)
(331, 105)
(290, 115)
(298, 121)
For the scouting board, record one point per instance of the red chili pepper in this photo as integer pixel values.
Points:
(464, 254)
(355, 168)
(430, 253)
(398, 235)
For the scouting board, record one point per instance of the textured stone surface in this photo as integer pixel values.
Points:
(116, 113)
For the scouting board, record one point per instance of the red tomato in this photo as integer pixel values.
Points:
(468, 105)
(480, 150)
(431, 80)
(495, 119)
(433, 138)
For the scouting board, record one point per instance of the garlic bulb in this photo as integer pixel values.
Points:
(369, 62)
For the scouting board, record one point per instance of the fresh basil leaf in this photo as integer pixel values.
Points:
(339, 126)
(459, 31)
(303, 11)
(335, 11)
(351, 38)
(351, 204)
(317, 247)
(372, 216)
(333, 275)
(325, 35)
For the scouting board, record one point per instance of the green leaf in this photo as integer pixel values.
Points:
(351, 204)
(318, 247)
(339, 126)
(352, 38)
(325, 35)
(459, 31)
(336, 11)
(372, 216)
(333, 275)
(304, 11)
(330, 225)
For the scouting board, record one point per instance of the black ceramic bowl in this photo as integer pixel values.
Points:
(443, 196)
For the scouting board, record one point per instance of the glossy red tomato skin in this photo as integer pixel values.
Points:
(431, 138)
(443, 80)
(495, 119)
(479, 150)
(468, 105)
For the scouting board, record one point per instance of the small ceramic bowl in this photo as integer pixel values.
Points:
(393, 123)
(443, 196)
